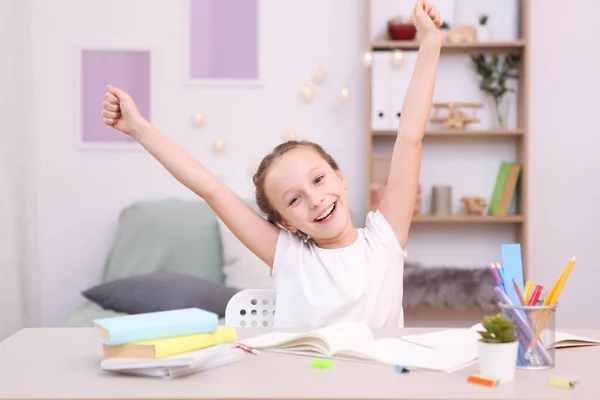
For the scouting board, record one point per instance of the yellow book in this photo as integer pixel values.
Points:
(170, 346)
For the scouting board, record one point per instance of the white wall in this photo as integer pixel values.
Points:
(564, 162)
(18, 290)
(78, 194)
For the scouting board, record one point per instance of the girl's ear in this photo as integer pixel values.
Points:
(342, 178)
(289, 227)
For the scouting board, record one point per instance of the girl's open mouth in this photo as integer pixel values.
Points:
(327, 215)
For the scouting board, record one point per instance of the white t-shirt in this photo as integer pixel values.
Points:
(361, 282)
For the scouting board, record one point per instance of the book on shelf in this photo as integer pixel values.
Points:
(504, 188)
(164, 347)
(355, 341)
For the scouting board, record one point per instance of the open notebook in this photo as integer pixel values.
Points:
(355, 341)
(177, 365)
(464, 337)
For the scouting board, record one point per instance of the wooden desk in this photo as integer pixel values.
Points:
(63, 363)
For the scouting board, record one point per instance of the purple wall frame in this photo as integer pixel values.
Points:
(224, 40)
(127, 69)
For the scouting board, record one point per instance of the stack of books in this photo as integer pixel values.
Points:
(165, 343)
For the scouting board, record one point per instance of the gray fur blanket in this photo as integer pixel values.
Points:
(448, 287)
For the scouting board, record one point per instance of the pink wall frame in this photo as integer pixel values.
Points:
(224, 42)
(129, 69)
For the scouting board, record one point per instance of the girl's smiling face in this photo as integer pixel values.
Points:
(310, 196)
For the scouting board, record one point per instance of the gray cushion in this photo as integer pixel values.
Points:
(161, 291)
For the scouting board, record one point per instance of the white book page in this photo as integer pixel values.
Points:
(327, 340)
(445, 339)
(399, 352)
(568, 340)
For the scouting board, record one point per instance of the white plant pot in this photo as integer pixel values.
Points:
(483, 33)
(498, 360)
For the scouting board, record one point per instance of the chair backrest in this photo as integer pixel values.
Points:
(251, 308)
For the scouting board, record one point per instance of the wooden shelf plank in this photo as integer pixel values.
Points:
(461, 133)
(464, 47)
(462, 219)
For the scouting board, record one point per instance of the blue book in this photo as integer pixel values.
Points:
(155, 325)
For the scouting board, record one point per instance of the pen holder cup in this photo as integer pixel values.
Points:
(535, 333)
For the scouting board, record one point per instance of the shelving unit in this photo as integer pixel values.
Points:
(519, 135)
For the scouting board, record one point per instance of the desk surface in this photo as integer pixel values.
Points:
(52, 363)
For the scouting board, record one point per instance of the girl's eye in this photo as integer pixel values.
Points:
(319, 179)
(293, 200)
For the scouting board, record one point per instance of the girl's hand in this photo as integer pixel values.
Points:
(427, 19)
(119, 110)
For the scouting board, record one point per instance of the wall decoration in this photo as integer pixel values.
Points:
(319, 76)
(454, 117)
(441, 200)
(224, 42)
(474, 205)
(219, 147)
(496, 73)
(128, 69)
(198, 120)
(291, 135)
(483, 28)
(307, 93)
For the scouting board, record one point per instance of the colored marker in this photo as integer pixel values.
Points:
(562, 383)
(321, 363)
(482, 380)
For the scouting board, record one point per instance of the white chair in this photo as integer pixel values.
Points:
(251, 308)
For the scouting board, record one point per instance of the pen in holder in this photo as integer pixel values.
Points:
(536, 333)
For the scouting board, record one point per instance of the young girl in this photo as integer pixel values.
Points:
(325, 270)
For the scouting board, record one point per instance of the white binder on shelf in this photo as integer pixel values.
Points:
(399, 80)
(177, 365)
(380, 91)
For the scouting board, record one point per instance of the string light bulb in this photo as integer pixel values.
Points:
(367, 60)
(291, 135)
(397, 58)
(307, 93)
(319, 76)
(344, 94)
(198, 120)
(219, 146)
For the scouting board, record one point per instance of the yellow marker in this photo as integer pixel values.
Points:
(527, 291)
(562, 383)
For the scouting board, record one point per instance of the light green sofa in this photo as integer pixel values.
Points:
(168, 235)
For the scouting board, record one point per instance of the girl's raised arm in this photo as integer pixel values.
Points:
(398, 201)
(256, 233)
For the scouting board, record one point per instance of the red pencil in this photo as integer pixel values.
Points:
(247, 348)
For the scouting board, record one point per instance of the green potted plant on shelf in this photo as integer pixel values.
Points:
(483, 30)
(498, 347)
(495, 74)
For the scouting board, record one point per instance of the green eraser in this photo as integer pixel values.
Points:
(321, 363)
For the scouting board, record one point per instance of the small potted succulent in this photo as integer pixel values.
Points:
(483, 30)
(497, 348)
